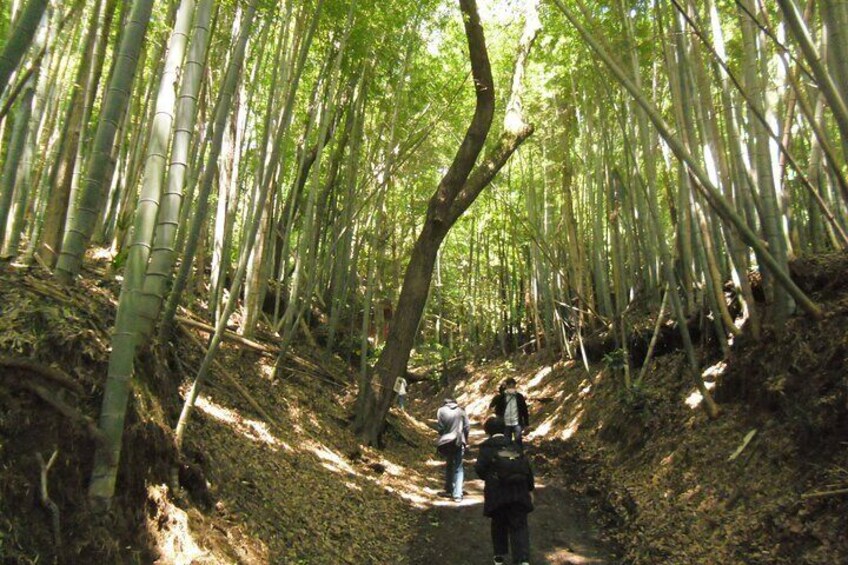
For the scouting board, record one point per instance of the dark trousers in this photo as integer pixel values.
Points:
(509, 528)
(513, 434)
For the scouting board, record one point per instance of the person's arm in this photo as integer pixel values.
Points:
(484, 462)
(523, 412)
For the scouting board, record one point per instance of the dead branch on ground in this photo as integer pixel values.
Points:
(51, 506)
(238, 386)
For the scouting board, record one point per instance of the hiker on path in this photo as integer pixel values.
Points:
(453, 427)
(511, 406)
(506, 495)
(400, 389)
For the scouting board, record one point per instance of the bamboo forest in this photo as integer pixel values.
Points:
(422, 282)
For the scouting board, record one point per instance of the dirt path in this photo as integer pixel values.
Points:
(561, 531)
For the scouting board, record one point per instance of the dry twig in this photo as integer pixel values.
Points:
(51, 506)
(825, 493)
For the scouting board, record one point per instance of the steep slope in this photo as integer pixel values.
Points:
(301, 491)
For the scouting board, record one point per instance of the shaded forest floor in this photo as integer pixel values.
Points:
(641, 478)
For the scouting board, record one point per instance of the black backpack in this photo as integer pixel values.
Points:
(510, 465)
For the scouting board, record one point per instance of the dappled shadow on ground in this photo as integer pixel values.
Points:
(561, 531)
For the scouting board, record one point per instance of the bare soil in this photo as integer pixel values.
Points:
(561, 528)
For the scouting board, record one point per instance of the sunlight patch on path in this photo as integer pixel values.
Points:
(544, 429)
(566, 557)
(330, 460)
(539, 376)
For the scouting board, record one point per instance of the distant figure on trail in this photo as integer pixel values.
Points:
(400, 389)
(506, 496)
(453, 427)
(511, 406)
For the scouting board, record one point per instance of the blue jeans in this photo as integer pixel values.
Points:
(513, 433)
(400, 401)
(454, 473)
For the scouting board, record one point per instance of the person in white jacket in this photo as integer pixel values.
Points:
(453, 426)
(400, 389)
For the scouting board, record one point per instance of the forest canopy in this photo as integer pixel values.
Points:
(536, 174)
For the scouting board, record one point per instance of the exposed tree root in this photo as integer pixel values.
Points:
(51, 373)
(63, 408)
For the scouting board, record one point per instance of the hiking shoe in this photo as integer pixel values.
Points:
(499, 560)
(457, 499)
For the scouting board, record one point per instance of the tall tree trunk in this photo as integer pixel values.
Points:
(13, 157)
(20, 39)
(78, 233)
(163, 255)
(62, 174)
(457, 190)
(342, 264)
(129, 326)
(222, 111)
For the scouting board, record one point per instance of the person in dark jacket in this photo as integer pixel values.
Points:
(507, 504)
(511, 406)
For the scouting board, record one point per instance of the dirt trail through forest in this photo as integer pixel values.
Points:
(561, 530)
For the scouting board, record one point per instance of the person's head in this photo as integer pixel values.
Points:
(494, 425)
(510, 384)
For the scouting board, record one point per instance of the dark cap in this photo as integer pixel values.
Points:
(494, 425)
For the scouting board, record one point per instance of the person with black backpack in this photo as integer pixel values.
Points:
(507, 500)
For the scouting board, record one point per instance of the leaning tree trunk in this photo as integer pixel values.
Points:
(457, 190)
(78, 232)
(824, 79)
(128, 324)
(19, 41)
(13, 157)
(703, 184)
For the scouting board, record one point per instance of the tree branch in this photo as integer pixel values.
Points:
(495, 159)
(478, 129)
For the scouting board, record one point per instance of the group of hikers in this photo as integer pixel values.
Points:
(501, 464)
